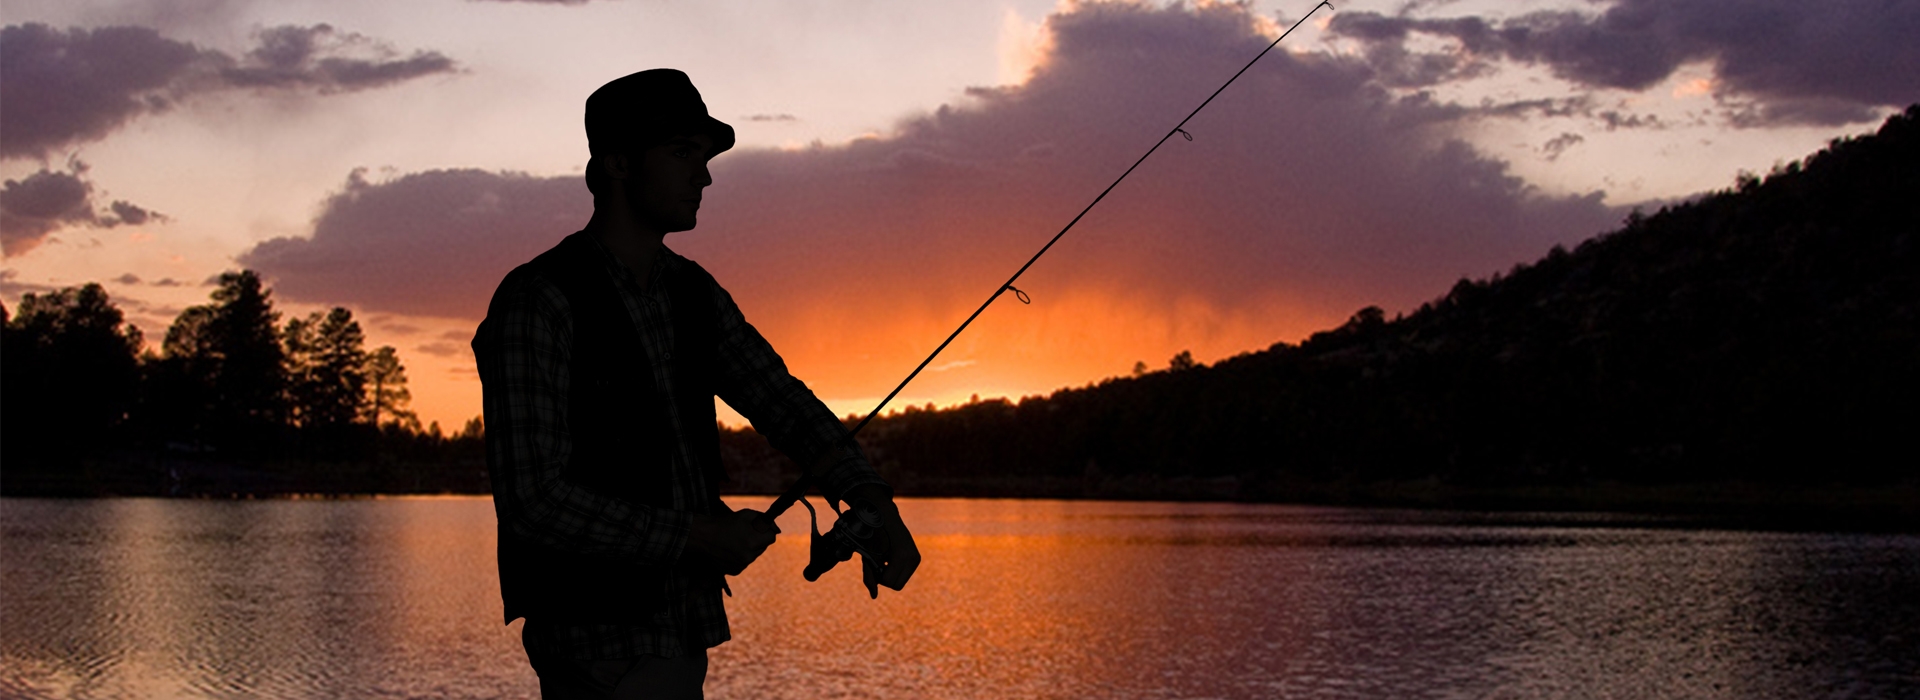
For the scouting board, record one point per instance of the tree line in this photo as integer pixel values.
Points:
(1765, 337)
(232, 399)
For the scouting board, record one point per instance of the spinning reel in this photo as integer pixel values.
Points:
(856, 530)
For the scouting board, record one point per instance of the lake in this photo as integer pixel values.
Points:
(397, 598)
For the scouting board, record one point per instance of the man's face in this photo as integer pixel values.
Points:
(665, 182)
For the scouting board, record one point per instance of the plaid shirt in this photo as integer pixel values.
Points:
(524, 368)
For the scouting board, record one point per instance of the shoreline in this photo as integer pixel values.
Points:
(1740, 504)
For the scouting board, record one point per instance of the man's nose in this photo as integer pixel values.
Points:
(701, 176)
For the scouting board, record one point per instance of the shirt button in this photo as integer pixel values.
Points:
(669, 355)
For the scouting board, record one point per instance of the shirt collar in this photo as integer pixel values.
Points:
(663, 265)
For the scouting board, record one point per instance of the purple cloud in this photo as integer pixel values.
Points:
(1774, 61)
(60, 89)
(422, 244)
(326, 60)
(49, 200)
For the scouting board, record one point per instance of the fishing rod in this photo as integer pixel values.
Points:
(798, 491)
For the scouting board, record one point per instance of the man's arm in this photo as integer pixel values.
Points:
(523, 350)
(755, 382)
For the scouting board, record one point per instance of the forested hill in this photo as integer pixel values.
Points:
(1766, 334)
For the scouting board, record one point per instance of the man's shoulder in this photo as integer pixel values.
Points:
(533, 284)
(529, 281)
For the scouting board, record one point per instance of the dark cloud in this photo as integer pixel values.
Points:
(772, 118)
(419, 245)
(1307, 192)
(327, 60)
(132, 215)
(63, 88)
(49, 200)
(59, 88)
(1774, 61)
(40, 204)
(128, 278)
(1559, 144)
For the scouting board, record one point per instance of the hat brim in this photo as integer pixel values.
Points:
(719, 131)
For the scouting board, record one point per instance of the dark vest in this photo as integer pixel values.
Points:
(623, 444)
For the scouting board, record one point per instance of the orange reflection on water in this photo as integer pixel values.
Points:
(1026, 598)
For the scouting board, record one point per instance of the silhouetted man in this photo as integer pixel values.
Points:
(600, 360)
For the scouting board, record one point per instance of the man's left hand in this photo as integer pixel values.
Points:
(901, 558)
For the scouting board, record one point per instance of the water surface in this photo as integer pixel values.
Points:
(1017, 599)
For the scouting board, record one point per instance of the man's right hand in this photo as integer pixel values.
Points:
(728, 542)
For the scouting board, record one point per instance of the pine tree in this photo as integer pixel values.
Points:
(387, 384)
(219, 381)
(298, 344)
(177, 399)
(326, 369)
(243, 337)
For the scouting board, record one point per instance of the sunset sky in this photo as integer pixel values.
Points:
(897, 160)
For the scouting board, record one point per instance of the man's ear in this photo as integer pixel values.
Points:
(616, 166)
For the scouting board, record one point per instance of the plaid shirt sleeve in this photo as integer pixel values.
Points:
(755, 382)
(523, 354)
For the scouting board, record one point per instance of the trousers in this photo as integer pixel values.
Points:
(563, 677)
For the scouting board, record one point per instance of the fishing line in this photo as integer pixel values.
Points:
(800, 487)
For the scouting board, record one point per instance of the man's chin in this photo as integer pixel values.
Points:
(676, 224)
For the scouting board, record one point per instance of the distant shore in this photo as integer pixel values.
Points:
(1887, 508)
(1892, 508)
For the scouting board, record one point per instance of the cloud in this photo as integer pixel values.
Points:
(326, 60)
(60, 89)
(121, 212)
(392, 324)
(11, 286)
(441, 349)
(1775, 61)
(49, 200)
(36, 206)
(1559, 144)
(1308, 191)
(772, 118)
(423, 244)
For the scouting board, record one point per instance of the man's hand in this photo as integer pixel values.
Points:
(728, 542)
(901, 557)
